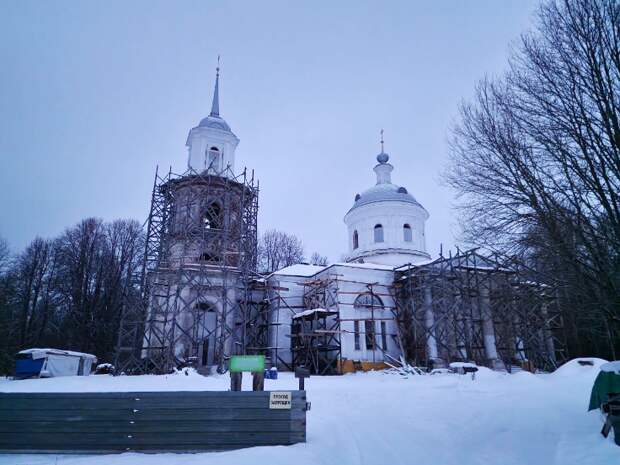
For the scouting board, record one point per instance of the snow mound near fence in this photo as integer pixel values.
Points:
(580, 366)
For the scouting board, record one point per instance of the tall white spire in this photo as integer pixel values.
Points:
(211, 144)
(215, 106)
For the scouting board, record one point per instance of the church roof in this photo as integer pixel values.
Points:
(385, 192)
(214, 120)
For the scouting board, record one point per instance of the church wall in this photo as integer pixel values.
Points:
(202, 139)
(286, 300)
(392, 216)
(186, 291)
(352, 282)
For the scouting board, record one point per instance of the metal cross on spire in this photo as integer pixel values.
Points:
(381, 140)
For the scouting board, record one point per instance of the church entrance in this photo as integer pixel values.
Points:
(207, 318)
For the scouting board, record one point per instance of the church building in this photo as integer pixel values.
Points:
(389, 301)
(354, 300)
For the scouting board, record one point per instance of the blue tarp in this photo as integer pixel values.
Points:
(26, 367)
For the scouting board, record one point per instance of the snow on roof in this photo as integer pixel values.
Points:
(299, 269)
(384, 192)
(580, 365)
(40, 353)
(611, 367)
(371, 266)
(305, 270)
(416, 264)
(311, 312)
(463, 365)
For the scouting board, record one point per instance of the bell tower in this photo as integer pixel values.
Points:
(196, 302)
(211, 145)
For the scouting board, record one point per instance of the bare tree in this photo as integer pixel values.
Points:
(318, 259)
(69, 292)
(97, 261)
(535, 158)
(277, 249)
(5, 255)
(6, 317)
(35, 272)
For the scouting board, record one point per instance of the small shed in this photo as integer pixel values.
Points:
(48, 363)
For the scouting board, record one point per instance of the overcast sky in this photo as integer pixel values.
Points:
(94, 95)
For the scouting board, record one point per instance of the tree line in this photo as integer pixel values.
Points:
(535, 160)
(68, 292)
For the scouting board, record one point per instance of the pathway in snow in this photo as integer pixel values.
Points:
(378, 418)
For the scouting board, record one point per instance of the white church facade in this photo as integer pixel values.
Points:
(389, 300)
(386, 229)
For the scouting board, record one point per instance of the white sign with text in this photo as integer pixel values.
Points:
(280, 400)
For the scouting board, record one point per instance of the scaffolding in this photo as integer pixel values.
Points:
(280, 309)
(315, 332)
(198, 284)
(315, 338)
(258, 318)
(468, 307)
(372, 299)
(201, 299)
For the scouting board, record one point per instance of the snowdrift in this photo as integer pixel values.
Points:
(376, 418)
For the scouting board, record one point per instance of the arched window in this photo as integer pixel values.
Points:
(356, 240)
(213, 159)
(368, 301)
(378, 233)
(212, 218)
(407, 233)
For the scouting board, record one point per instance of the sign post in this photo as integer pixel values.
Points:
(254, 364)
(302, 373)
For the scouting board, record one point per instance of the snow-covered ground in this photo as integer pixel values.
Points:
(380, 418)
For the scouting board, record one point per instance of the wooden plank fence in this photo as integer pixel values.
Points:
(147, 421)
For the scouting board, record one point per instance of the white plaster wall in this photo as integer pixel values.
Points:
(290, 296)
(352, 281)
(392, 215)
(202, 139)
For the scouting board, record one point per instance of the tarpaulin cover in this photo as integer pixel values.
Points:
(606, 382)
(61, 365)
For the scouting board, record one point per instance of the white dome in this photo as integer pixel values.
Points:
(215, 122)
(386, 224)
(384, 192)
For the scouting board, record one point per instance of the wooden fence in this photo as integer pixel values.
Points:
(147, 421)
